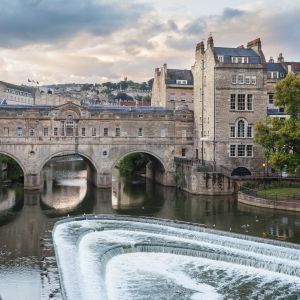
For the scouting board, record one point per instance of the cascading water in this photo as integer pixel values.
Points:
(117, 257)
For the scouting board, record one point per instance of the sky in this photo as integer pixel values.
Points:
(93, 41)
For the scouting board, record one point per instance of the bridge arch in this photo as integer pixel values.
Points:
(158, 169)
(149, 153)
(67, 153)
(240, 171)
(16, 159)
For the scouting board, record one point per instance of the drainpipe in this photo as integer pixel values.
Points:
(202, 112)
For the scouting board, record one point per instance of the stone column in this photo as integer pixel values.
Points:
(32, 182)
(102, 180)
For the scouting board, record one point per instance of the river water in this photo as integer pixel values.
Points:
(25, 216)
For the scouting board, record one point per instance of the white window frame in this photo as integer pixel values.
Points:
(234, 79)
(32, 132)
(247, 79)
(183, 133)
(232, 150)
(241, 148)
(94, 131)
(46, 131)
(253, 79)
(163, 132)
(248, 147)
(220, 58)
(241, 79)
(19, 131)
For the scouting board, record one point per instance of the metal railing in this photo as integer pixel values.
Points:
(261, 192)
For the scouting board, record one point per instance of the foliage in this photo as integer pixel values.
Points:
(123, 96)
(281, 138)
(288, 94)
(132, 163)
(14, 171)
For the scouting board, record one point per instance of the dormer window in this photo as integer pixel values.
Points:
(273, 75)
(221, 58)
(239, 60)
(181, 82)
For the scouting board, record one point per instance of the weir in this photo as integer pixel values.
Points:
(115, 256)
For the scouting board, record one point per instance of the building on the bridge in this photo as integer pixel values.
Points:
(229, 97)
(18, 94)
(32, 135)
(172, 88)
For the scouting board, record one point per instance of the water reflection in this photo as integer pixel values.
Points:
(64, 187)
(24, 216)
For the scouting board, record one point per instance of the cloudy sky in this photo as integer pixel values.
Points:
(59, 41)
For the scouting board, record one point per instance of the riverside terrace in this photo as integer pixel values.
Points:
(32, 135)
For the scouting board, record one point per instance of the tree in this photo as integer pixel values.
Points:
(288, 94)
(132, 163)
(281, 138)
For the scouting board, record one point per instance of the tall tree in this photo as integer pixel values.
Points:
(281, 138)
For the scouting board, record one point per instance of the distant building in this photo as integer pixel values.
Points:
(18, 94)
(172, 87)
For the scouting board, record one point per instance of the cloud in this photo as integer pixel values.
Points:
(229, 13)
(36, 21)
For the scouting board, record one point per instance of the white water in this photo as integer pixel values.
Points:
(125, 258)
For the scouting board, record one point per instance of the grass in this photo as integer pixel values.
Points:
(280, 192)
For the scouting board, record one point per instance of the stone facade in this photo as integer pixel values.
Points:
(18, 94)
(103, 136)
(229, 97)
(172, 88)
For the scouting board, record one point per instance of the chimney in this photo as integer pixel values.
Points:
(199, 51)
(200, 47)
(271, 60)
(210, 42)
(280, 58)
(241, 47)
(255, 44)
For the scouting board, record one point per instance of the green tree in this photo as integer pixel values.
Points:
(132, 163)
(281, 138)
(288, 94)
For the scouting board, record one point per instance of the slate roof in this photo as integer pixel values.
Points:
(276, 67)
(253, 57)
(115, 109)
(176, 74)
(295, 66)
(22, 88)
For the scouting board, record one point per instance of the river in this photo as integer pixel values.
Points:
(25, 216)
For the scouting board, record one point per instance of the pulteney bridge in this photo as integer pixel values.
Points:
(33, 135)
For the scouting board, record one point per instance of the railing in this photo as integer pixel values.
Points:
(261, 192)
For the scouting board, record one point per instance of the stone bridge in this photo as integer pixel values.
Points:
(33, 135)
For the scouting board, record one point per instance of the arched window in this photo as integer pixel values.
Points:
(241, 128)
(69, 122)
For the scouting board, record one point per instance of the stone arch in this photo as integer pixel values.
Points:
(164, 174)
(66, 153)
(241, 171)
(124, 154)
(15, 159)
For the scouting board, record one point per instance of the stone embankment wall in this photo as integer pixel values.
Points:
(268, 203)
(191, 180)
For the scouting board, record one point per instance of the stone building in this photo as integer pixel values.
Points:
(172, 88)
(276, 71)
(18, 94)
(229, 97)
(32, 135)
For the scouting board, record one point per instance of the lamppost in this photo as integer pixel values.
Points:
(264, 166)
